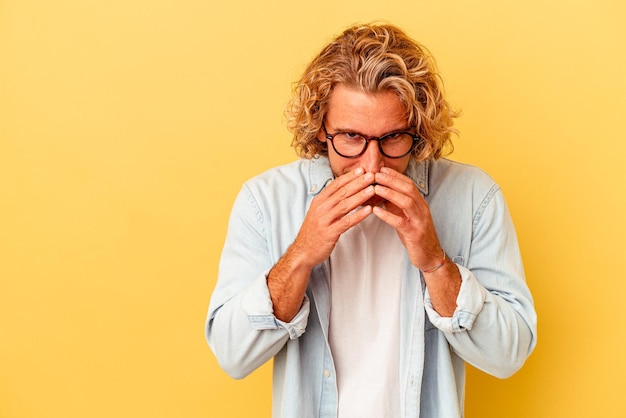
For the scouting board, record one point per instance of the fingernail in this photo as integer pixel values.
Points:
(359, 171)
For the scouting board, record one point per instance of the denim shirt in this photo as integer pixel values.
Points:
(493, 327)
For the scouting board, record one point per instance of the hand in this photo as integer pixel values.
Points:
(331, 213)
(407, 211)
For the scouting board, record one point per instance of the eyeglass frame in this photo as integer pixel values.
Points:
(378, 139)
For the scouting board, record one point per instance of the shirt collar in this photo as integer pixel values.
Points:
(418, 172)
(320, 174)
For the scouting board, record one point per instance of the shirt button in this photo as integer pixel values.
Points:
(422, 185)
(326, 373)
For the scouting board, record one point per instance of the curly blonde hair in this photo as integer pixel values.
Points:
(373, 58)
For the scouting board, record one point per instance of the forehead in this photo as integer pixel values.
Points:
(376, 113)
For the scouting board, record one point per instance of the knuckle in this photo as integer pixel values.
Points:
(343, 205)
(346, 222)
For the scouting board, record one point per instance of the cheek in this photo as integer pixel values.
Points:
(340, 165)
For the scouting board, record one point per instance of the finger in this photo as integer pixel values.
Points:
(354, 185)
(341, 181)
(396, 188)
(341, 191)
(391, 219)
(403, 201)
(328, 210)
(349, 204)
(352, 219)
(395, 180)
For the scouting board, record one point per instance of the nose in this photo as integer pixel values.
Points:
(372, 160)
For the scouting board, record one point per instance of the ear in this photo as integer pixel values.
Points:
(320, 135)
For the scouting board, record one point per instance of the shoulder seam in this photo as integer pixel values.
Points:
(483, 205)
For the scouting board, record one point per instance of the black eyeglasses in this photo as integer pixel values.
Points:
(392, 145)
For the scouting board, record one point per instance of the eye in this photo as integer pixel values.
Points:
(396, 137)
(350, 137)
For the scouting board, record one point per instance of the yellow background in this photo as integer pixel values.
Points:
(127, 128)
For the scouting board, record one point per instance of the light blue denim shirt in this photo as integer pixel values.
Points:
(493, 327)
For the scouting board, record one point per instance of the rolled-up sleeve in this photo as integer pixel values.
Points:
(241, 328)
(257, 304)
(494, 324)
(470, 302)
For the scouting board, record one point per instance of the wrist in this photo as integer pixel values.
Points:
(441, 263)
(298, 258)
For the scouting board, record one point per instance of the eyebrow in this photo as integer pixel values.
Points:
(352, 131)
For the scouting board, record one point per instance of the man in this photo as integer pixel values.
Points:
(371, 269)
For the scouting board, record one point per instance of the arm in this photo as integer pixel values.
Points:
(494, 324)
(252, 315)
(332, 213)
(407, 211)
(240, 327)
(485, 310)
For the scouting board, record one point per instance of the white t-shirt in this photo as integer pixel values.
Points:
(364, 330)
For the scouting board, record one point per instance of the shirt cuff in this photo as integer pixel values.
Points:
(257, 304)
(469, 303)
